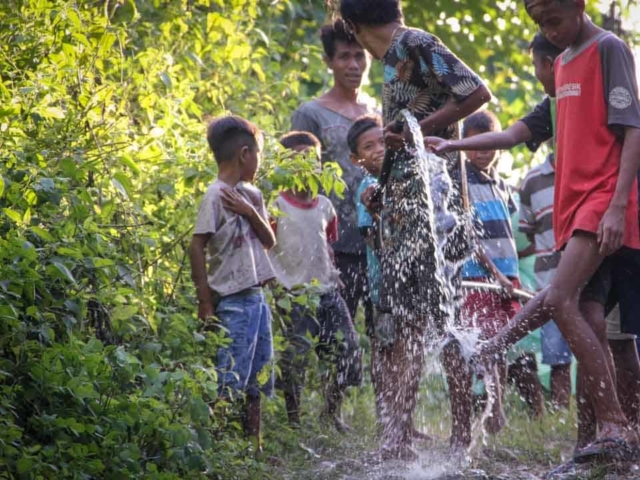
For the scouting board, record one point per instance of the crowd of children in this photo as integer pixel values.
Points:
(578, 210)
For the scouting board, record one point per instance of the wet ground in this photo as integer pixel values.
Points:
(527, 449)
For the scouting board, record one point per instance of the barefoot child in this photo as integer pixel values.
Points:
(304, 232)
(366, 142)
(595, 214)
(233, 227)
(496, 258)
(423, 76)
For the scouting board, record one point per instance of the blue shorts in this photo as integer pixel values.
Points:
(247, 319)
(555, 349)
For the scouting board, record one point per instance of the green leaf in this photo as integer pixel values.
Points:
(51, 112)
(43, 234)
(284, 303)
(24, 465)
(13, 215)
(66, 273)
(1, 185)
(123, 312)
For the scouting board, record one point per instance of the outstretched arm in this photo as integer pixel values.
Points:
(514, 135)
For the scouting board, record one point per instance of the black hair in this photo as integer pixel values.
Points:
(481, 122)
(370, 12)
(541, 46)
(528, 3)
(335, 32)
(360, 126)
(226, 135)
(296, 138)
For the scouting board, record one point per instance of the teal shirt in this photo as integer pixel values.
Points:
(365, 220)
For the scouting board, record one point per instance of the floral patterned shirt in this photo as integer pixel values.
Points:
(421, 74)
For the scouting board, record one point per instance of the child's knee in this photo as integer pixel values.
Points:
(559, 303)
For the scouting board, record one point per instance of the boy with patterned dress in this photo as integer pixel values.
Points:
(304, 232)
(424, 77)
(595, 216)
(233, 227)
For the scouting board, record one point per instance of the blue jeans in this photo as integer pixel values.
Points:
(555, 350)
(245, 365)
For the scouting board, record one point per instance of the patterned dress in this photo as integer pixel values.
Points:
(420, 75)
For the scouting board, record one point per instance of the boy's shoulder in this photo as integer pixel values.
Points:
(309, 108)
(215, 188)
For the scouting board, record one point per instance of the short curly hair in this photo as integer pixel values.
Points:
(370, 12)
(481, 122)
(335, 32)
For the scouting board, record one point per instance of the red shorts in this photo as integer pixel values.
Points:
(488, 311)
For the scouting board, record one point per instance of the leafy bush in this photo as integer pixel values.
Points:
(104, 370)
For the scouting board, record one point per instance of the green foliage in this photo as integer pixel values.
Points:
(104, 371)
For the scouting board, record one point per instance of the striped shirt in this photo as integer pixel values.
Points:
(492, 206)
(536, 219)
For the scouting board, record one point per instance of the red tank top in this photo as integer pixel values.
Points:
(587, 150)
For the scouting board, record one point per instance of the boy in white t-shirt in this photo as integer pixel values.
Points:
(304, 231)
(233, 227)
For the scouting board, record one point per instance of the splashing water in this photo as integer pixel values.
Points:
(434, 172)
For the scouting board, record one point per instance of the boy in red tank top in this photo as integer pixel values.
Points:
(596, 206)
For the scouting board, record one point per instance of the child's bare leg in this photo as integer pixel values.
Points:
(593, 313)
(403, 362)
(531, 317)
(498, 420)
(334, 395)
(625, 356)
(587, 427)
(459, 380)
(523, 373)
(561, 385)
(579, 262)
(377, 380)
(251, 421)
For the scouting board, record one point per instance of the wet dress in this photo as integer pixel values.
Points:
(420, 75)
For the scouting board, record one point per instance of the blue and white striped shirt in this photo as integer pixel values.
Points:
(492, 206)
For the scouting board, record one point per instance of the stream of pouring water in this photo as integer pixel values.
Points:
(434, 171)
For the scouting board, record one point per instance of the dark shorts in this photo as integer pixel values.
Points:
(617, 282)
(331, 333)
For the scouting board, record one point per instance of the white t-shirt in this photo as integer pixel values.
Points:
(303, 233)
(237, 258)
